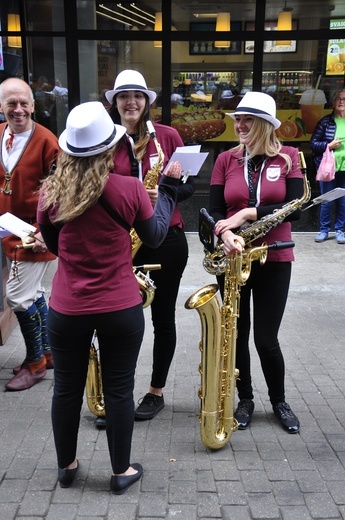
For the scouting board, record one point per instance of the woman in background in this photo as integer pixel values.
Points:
(136, 155)
(330, 132)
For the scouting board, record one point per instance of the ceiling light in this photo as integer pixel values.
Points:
(123, 16)
(158, 27)
(113, 18)
(120, 6)
(284, 24)
(205, 15)
(13, 24)
(223, 24)
(142, 11)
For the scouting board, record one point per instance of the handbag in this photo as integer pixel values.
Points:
(326, 170)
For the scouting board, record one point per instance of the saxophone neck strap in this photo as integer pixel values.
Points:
(253, 176)
(134, 163)
(113, 213)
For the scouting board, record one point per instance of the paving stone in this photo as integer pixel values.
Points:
(261, 474)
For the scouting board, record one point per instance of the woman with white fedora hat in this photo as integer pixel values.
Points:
(94, 286)
(248, 182)
(136, 155)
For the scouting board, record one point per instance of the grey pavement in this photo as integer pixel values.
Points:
(262, 473)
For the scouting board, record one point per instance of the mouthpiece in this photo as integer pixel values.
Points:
(149, 267)
(302, 162)
(281, 245)
(151, 128)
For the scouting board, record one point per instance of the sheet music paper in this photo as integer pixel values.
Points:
(190, 159)
(327, 197)
(11, 225)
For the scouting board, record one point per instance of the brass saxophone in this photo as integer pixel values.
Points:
(150, 181)
(93, 387)
(219, 323)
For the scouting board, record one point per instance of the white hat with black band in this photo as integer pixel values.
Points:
(89, 130)
(130, 80)
(257, 104)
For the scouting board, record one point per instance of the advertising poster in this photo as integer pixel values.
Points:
(335, 60)
(1, 53)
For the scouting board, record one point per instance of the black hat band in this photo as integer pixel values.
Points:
(91, 148)
(252, 111)
(130, 87)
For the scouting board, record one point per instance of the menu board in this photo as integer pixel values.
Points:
(335, 60)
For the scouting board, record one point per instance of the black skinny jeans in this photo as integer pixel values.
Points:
(119, 336)
(172, 254)
(268, 284)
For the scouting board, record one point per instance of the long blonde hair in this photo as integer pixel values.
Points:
(263, 139)
(76, 184)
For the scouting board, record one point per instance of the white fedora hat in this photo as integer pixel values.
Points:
(130, 80)
(257, 104)
(89, 130)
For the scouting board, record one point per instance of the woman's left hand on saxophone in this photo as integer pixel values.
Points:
(232, 243)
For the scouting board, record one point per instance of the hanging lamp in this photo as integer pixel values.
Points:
(284, 24)
(13, 24)
(158, 27)
(223, 24)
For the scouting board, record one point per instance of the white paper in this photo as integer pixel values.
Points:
(189, 149)
(190, 162)
(327, 197)
(11, 225)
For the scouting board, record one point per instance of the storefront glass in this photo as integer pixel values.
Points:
(100, 62)
(48, 80)
(44, 16)
(10, 46)
(198, 72)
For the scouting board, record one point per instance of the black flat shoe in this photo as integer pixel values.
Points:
(66, 476)
(243, 413)
(149, 406)
(120, 483)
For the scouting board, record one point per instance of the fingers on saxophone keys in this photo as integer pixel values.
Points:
(238, 244)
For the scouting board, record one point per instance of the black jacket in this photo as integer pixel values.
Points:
(323, 134)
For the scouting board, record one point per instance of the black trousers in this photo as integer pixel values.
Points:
(268, 287)
(172, 254)
(119, 336)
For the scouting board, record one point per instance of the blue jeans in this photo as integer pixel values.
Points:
(326, 207)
